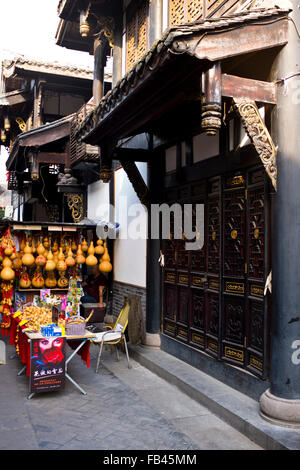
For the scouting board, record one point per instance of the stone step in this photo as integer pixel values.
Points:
(238, 410)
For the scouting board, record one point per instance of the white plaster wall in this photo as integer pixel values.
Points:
(98, 201)
(130, 254)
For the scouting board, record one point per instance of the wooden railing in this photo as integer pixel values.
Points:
(80, 151)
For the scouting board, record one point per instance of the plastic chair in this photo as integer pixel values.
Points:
(115, 335)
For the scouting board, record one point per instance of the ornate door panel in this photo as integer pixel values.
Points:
(214, 297)
(257, 212)
(234, 268)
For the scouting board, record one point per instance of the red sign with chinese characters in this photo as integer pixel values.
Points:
(47, 364)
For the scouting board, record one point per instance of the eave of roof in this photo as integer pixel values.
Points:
(10, 67)
(32, 137)
(151, 60)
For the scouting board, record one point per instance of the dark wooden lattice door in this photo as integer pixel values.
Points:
(213, 298)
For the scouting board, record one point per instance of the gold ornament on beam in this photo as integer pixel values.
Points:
(21, 123)
(75, 204)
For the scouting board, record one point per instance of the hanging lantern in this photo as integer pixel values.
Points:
(6, 124)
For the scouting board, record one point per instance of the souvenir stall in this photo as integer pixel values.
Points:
(41, 273)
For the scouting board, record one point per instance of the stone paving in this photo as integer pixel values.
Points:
(124, 409)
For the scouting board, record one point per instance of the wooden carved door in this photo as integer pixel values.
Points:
(214, 297)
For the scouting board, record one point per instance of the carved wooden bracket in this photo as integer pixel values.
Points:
(136, 180)
(75, 204)
(259, 135)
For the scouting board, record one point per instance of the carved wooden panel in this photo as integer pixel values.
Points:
(177, 12)
(137, 33)
(170, 302)
(197, 309)
(194, 10)
(183, 305)
(185, 11)
(234, 319)
(256, 233)
(212, 325)
(213, 238)
(234, 233)
(256, 325)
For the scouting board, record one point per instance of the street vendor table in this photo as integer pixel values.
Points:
(80, 345)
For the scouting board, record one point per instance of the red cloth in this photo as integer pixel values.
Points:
(84, 351)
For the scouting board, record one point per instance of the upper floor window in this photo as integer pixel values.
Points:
(184, 11)
(137, 32)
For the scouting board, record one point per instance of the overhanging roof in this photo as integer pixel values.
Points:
(21, 65)
(203, 42)
(40, 136)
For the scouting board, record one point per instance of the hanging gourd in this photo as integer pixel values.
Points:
(61, 264)
(91, 259)
(51, 280)
(7, 274)
(38, 280)
(46, 242)
(105, 265)
(33, 248)
(74, 246)
(50, 264)
(25, 281)
(17, 262)
(22, 245)
(40, 249)
(62, 281)
(8, 250)
(99, 250)
(55, 247)
(70, 261)
(80, 258)
(40, 260)
(84, 245)
(28, 258)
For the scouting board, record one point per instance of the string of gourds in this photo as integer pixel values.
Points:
(47, 257)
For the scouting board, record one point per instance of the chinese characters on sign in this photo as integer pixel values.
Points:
(47, 364)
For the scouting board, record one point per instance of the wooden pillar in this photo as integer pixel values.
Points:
(155, 20)
(281, 403)
(100, 50)
(153, 306)
(211, 114)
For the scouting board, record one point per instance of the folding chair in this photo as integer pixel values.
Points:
(115, 335)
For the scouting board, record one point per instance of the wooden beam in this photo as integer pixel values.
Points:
(132, 154)
(52, 157)
(255, 90)
(235, 41)
(136, 180)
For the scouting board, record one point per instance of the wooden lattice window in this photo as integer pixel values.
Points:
(184, 11)
(137, 38)
(213, 5)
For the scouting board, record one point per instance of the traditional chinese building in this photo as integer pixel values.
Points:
(205, 93)
(38, 105)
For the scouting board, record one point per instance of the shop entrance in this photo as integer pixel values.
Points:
(213, 298)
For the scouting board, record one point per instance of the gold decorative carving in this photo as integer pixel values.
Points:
(259, 135)
(75, 204)
(233, 234)
(21, 123)
(233, 353)
(256, 233)
(235, 287)
(257, 364)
